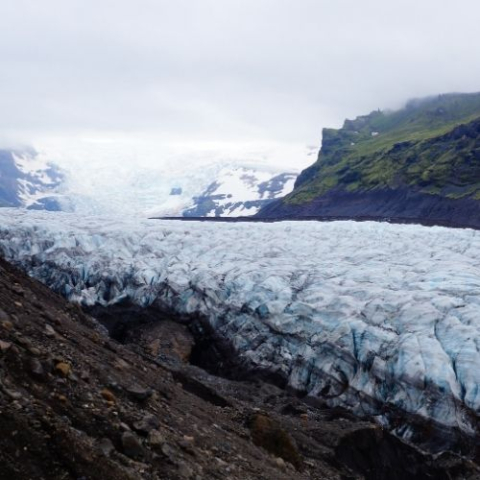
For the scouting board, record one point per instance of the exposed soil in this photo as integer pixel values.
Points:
(77, 404)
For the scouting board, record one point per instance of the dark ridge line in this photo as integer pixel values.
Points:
(424, 222)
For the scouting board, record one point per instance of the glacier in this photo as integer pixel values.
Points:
(125, 175)
(372, 317)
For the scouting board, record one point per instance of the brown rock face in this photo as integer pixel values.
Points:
(108, 395)
(131, 445)
(63, 368)
(154, 331)
(268, 434)
(168, 338)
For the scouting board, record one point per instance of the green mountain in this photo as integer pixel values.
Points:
(420, 162)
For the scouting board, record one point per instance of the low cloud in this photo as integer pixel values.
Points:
(234, 71)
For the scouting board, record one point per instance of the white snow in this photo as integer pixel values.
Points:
(237, 184)
(127, 175)
(31, 163)
(37, 182)
(368, 313)
(287, 188)
(146, 192)
(241, 183)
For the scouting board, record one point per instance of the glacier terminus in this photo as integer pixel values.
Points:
(374, 317)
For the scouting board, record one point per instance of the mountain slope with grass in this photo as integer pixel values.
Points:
(418, 163)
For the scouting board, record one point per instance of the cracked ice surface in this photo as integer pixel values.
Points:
(365, 314)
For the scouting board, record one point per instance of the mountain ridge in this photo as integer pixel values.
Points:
(27, 181)
(240, 191)
(428, 152)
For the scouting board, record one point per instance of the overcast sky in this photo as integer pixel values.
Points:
(225, 70)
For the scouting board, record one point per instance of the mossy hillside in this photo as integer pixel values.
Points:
(432, 145)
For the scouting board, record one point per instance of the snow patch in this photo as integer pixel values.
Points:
(38, 178)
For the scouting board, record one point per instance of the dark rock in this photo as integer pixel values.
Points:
(187, 443)
(13, 394)
(35, 351)
(167, 451)
(105, 447)
(137, 392)
(155, 439)
(131, 445)
(266, 433)
(18, 290)
(36, 369)
(4, 346)
(24, 341)
(148, 423)
(200, 389)
(376, 454)
(185, 471)
(7, 324)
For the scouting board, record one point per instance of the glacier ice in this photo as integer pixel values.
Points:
(365, 315)
(147, 170)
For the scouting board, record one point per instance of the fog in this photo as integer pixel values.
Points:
(239, 75)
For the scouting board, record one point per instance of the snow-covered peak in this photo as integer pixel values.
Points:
(147, 178)
(241, 191)
(27, 180)
(144, 182)
(147, 192)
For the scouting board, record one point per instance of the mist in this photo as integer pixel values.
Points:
(237, 73)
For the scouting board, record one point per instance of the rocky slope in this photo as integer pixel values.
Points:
(418, 163)
(75, 404)
(27, 181)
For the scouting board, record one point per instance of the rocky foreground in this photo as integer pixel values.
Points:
(76, 404)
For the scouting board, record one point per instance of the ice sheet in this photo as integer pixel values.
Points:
(363, 314)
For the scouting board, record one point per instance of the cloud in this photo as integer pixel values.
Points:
(225, 70)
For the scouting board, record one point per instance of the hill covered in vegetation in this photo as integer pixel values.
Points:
(420, 163)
